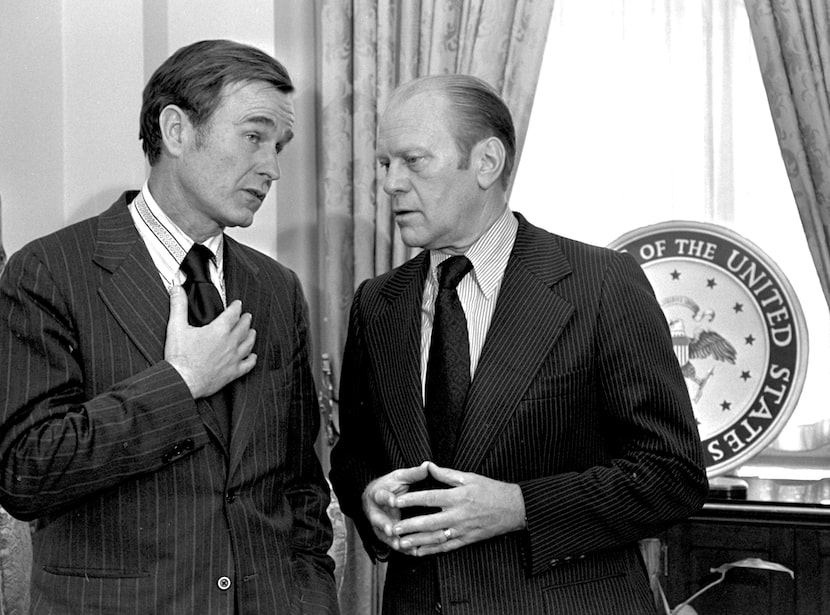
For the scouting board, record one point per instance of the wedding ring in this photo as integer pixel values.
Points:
(448, 533)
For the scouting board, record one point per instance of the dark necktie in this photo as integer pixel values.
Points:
(203, 305)
(203, 300)
(448, 367)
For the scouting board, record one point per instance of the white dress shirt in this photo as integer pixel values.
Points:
(168, 244)
(478, 291)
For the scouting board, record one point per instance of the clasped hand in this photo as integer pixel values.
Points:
(472, 508)
(209, 357)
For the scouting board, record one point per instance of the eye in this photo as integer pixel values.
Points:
(383, 164)
(253, 137)
(415, 162)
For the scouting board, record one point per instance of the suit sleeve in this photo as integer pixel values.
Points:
(355, 460)
(57, 446)
(656, 475)
(306, 488)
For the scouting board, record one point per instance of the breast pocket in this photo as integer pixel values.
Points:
(559, 413)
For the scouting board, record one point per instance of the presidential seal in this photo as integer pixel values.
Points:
(738, 332)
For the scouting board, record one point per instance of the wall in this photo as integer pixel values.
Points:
(31, 121)
(71, 77)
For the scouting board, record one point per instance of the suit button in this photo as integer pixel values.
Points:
(230, 497)
(438, 607)
(223, 583)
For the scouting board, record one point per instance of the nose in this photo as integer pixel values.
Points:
(395, 182)
(270, 165)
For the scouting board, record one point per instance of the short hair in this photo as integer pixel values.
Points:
(194, 77)
(479, 110)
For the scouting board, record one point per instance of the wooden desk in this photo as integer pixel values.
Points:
(794, 535)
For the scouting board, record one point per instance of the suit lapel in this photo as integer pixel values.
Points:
(394, 345)
(528, 319)
(242, 283)
(134, 292)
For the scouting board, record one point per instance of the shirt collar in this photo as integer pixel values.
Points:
(489, 254)
(177, 242)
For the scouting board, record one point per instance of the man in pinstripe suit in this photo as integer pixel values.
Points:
(577, 437)
(171, 468)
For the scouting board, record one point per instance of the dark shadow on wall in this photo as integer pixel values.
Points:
(99, 202)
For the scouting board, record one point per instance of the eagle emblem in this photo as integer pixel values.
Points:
(705, 343)
(737, 331)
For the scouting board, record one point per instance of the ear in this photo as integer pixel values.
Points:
(174, 125)
(488, 155)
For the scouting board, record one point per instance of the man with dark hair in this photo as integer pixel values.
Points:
(158, 409)
(513, 418)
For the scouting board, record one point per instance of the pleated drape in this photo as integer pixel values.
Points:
(792, 40)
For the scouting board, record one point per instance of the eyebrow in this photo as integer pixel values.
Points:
(259, 119)
(270, 123)
(405, 152)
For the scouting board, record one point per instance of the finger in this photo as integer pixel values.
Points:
(425, 539)
(446, 475)
(247, 364)
(391, 541)
(383, 497)
(431, 498)
(382, 524)
(423, 525)
(178, 309)
(242, 325)
(232, 313)
(450, 545)
(382, 527)
(247, 345)
(412, 475)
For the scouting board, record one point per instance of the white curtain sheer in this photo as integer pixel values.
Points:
(648, 111)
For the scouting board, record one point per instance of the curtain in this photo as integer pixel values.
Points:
(2, 252)
(641, 117)
(792, 40)
(367, 48)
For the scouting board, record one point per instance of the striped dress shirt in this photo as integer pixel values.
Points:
(168, 244)
(478, 291)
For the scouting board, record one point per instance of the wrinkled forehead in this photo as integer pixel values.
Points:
(424, 116)
(258, 101)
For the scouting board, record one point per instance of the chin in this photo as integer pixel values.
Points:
(411, 238)
(242, 219)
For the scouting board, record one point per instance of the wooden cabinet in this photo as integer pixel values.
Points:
(795, 536)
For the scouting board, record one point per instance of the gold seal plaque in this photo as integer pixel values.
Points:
(738, 332)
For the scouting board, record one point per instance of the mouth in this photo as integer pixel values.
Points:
(257, 194)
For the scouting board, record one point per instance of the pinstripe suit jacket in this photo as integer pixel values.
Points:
(577, 397)
(142, 505)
